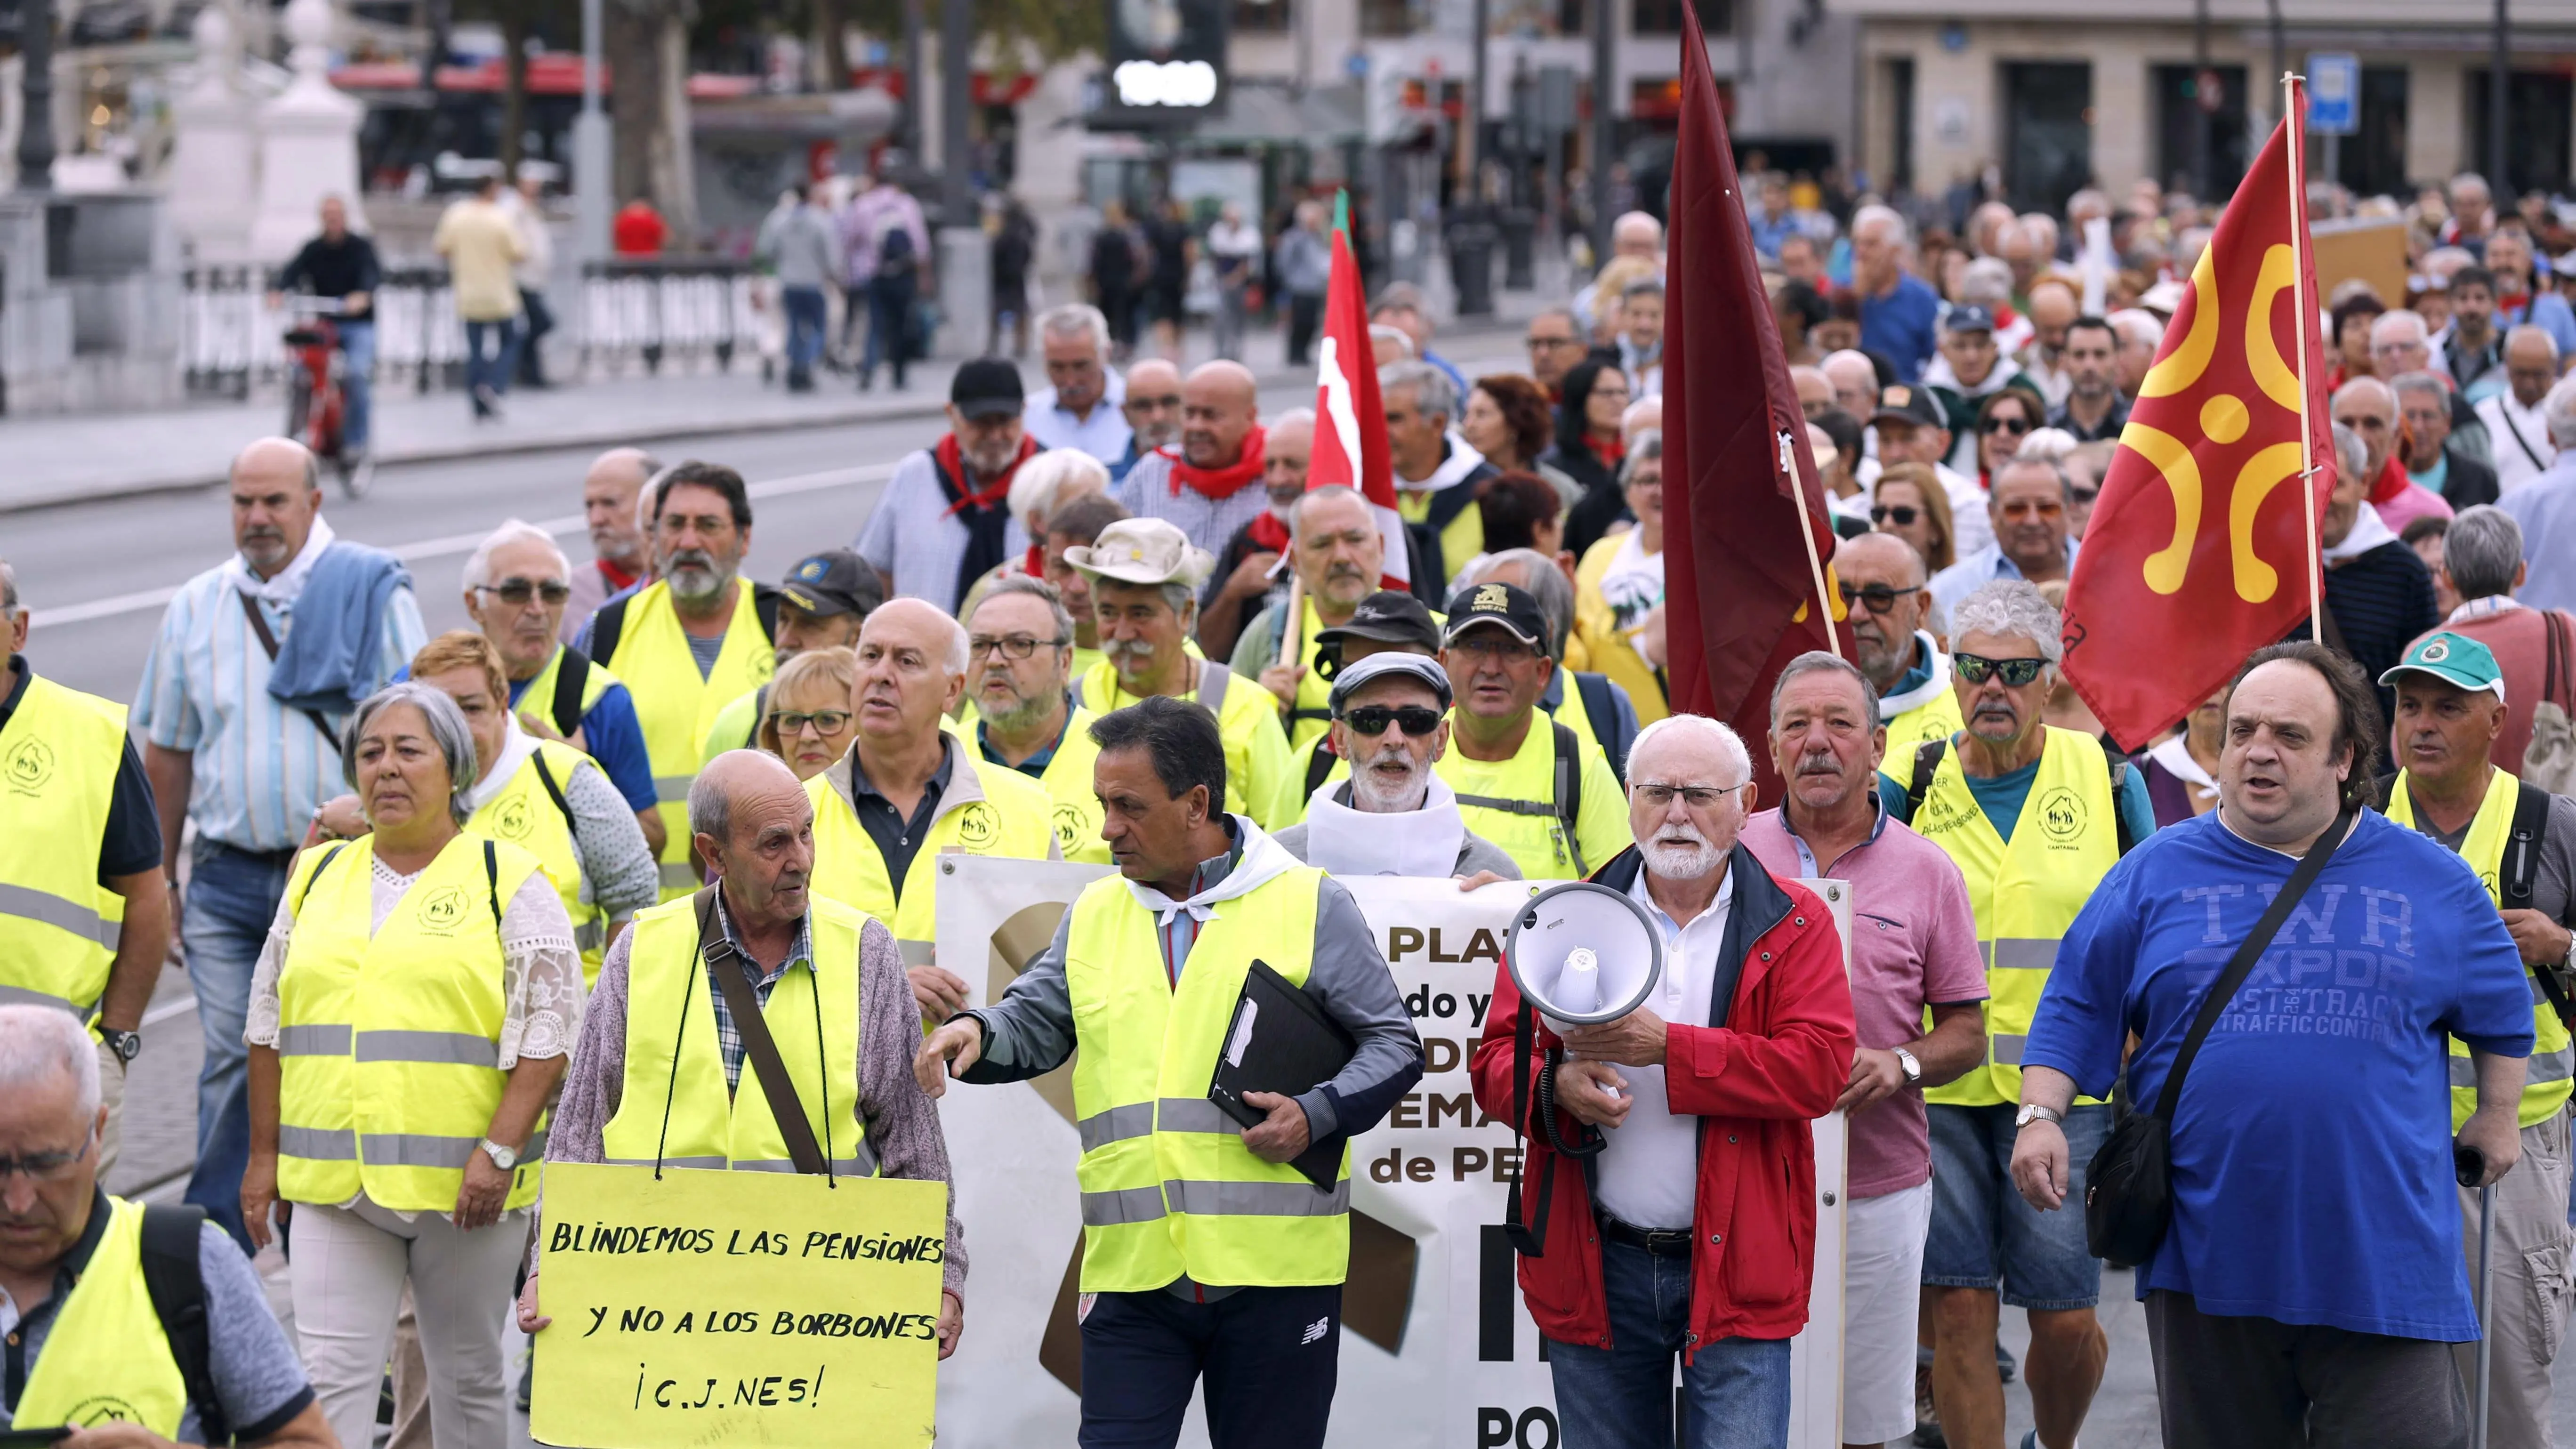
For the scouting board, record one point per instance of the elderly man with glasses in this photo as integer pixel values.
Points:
(2026, 509)
(1555, 345)
(1019, 705)
(1390, 714)
(1882, 583)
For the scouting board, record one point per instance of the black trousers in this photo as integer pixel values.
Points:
(1269, 1357)
(2258, 1383)
(1304, 314)
(537, 319)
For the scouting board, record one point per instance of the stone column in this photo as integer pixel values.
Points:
(309, 143)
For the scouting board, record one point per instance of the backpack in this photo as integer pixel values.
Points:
(173, 1276)
(1927, 759)
(895, 254)
(572, 680)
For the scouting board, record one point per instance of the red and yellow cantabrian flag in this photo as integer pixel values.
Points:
(2200, 550)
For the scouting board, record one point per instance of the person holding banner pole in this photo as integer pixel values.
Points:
(1205, 1255)
(830, 987)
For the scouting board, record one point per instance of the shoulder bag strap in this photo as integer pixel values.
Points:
(2241, 965)
(2520, 872)
(1927, 761)
(174, 1277)
(2504, 414)
(268, 644)
(492, 880)
(725, 965)
(2556, 662)
(1603, 711)
(315, 878)
(572, 681)
(605, 628)
(554, 792)
(1319, 767)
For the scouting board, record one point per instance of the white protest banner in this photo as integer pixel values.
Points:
(1437, 1348)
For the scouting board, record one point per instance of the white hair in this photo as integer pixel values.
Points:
(1077, 319)
(2560, 409)
(1035, 486)
(2046, 445)
(2136, 324)
(1389, 332)
(1729, 744)
(2011, 609)
(478, 565)
(1988, 280)
(39, 1042)
(2397, 320)
(1847, 359)
(1886, 216)
(1293, 415)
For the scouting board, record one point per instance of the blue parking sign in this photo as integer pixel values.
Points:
(2334, 93)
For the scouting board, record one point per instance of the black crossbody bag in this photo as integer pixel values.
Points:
(2128, 1194)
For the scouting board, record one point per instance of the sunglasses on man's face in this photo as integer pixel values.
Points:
(1877, 598)
(2016, 672)
(1416, 720)
(2002, 424)
(1903, 513)
(519, 591)
(2084, 496)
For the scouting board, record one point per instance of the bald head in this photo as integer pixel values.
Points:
(1636, 234)
(1644, 413)
(2366, 406)
(1153, 373)
(1882, 557)
(609, 492)
(1855, 380)
(754, 828)
(2530, 363)
(1815, 390)
(276, 494)
(1218, 408)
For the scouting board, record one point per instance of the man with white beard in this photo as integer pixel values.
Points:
(1390, 715)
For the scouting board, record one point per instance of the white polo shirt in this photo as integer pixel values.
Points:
(1649, 1174)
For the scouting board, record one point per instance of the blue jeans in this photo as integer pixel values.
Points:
(1735, 1392)
(1983, 1234)
(232, 897)
(806, 316)
(357, 380)
(889, 326)
(491, 355)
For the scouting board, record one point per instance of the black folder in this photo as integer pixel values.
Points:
(1279, 1040)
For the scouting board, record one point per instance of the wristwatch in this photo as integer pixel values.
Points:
(2034, 1112)
(126, 1044)
(1913, 1068)
(502, 1157)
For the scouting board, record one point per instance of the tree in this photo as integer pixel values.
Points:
(647, 49)
(520, 21)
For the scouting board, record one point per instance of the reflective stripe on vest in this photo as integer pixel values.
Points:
(106, 1358)
(676, 705)
(676, 1107)
(1167, 1185)
(2025, 893)
(2551, 1073)
(59, 754)
(388, 1046)
(1015, 818)
(524, 815)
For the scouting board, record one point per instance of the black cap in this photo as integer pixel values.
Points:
(987, 387)
(1901, 402)
(835, 581)
(1968, 317)
(1389, 616)
(1512, 608)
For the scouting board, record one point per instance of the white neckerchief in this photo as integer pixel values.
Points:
(1349, 841)
(1463, 459)
(1938, 682)
(1264, 860)
(2481, 608)
(516, 747)
(2175, 756)
(289, 582)
(2369, 531)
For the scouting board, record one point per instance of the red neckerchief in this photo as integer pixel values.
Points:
(1035, 564)
(952, 461)
(2392, 482)
(1218, 484)
(1267, 533)
(618, 578)
(1610, 453)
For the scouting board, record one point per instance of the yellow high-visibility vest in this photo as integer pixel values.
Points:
(1936, 718)
(1067, 781)
(1515, 803)
(1167, 1185)
(675, 704)
(1006, 813)
(389, 1048)
(1461, 538)
(107, 1359)
(2025, 893)
(1260, 774)
(528, 813)
(676, 1108)
(538, 698)
(58, 926)
(2545, 1080)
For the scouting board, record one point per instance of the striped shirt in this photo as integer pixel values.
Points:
(801, 953)
(262, 769)
(1147, 492)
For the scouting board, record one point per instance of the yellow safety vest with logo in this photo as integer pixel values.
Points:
(1937, 718)
(389, 1048)
(107, 1358)
(1067, 781)
(539, 697)
(530, 814)
(2025, 893)
(1517, 803)
(676, 1108)
(1461, 538)
(675, 704)
(2545, 1081)
(1167, 1185)
(1260, 773)
(58, 926)
(1015, 818)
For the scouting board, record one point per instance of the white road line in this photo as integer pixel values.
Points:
(170, 1009)
(456, 543)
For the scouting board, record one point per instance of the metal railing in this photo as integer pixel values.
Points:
(640, 315)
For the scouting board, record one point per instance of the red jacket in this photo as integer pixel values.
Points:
(1755, 1085)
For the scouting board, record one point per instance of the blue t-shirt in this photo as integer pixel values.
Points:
(1902, 326)
(2001, 797)
(614, 737)
(2311, 1165)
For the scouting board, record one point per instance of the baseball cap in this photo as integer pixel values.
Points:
(1143, 551)
(986, 387)
(2454, 659)
(1389, 616)
(1503, 604)
(1378, 666)
(1907, 404)
(835, 581)
(1968, 317)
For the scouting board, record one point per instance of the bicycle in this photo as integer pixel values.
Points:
(316, 403)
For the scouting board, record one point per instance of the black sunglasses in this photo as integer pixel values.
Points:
(2001, 424)
(1903, 513)
(519, 591)
(1416, 720)
(2085, 496)
(2016, 672)
(1877, 598)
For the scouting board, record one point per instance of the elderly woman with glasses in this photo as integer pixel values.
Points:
(412, 1012)
(809, 721)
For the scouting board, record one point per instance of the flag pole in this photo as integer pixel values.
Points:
(1807, 536)
(2301, 314)
(1292, 644)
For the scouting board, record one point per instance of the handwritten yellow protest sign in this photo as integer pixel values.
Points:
(736, 1308)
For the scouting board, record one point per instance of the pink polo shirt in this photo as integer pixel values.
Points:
(1914, 941)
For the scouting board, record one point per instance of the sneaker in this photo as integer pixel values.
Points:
(2004, 1365)
(1927, 1420)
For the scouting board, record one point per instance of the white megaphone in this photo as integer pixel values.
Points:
(1583, 954)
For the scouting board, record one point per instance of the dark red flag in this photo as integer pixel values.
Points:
(1741, 585)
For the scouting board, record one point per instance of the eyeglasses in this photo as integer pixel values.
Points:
(1903, 513)
(824, 721)
(1697, 797)
(1154, 404)
(2002, 424)
(45, 1166)
(1535, 343)
(1416, 720)
(2084, 496)
(1013, 646)
(519, 591)
(1507, 650)
(1877, 598)
(2016, 672)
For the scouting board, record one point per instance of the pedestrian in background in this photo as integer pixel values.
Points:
(2482, 562)
(1304, 258)
(1171, 250)
(1015, 247)
(535, 270)
(482, 248)
(885, 247)
(1234, 245)
(798, 244)
(257, 661)
(1114, 274)
(342, 265)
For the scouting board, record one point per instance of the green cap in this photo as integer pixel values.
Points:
(2454, 659)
